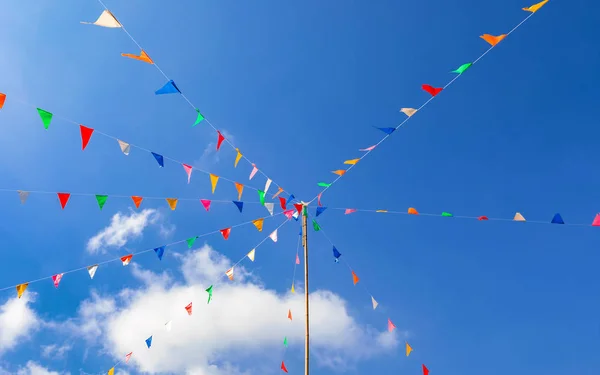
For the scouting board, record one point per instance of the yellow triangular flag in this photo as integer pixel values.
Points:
(142, 57)
(251, 254)
(408, 349)
(172, 203)
(237, 157)
(352, 161)
(106, 19)
(293, 290)
(258, 223)
(111, 371)
(534, 8)
(21, 289)
(408, 111)
(518, 217)
(213, 181)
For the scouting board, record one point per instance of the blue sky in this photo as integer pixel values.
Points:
(299, 87)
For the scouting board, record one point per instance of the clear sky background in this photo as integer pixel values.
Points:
(299, 86)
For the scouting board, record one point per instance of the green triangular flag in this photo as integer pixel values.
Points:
(190, 242)
(46, 117)
(199, 118)
(447, 214)
(285, 342)
(461, 69)
(209, 291)
(316, 225)
(304, 211)
(324, 184)
(261, 195)
(101, 200)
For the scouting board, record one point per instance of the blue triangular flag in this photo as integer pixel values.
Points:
(159, 159)
(149, 342)
(169, 88)
(159, 252)
(300, 231)
(320, 210)
(557, 219)
(336, 254)
(387, 131)
(240, 205)
(291, 198)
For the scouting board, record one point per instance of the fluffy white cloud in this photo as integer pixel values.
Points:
(56, 351)
(244, 321)
(17, 321)
(122, 228)
(32, 368)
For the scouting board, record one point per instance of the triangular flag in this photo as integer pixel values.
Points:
(293, 290)
(557, 219)
(159, 159)
(289, 213)
(324, 184)
(172, 203)
(391, 325)
(168, 326)
(63, 198)
(387, 131)
(291, 198)
(267, 185)
(240, 189)
(261, 197)
(106, 19)
(382, 211)
(188, 308)
(370, 148)
(493, 40)
(282, 203)
(190, 241)
(239, 205)
(126, 259)
(137, 200)
(336, 254)
(408, 111)
(149, 342)
(290, 314)
(339, 172)
(298, 207)
(254, 170)
(125, 147)
(433, 91)
(352, 161)
(209, 290)
(412, 211)
(285, 342)
(251, 254)
(534, 8)
(447, 214)
(220, 140)
(258, 223)
(86, 134)
(2, 99)
(169, 88)
(225, 232)
(316, 226)
(481, 218)
(128, 356)
(199, 118)
(46, 117)
(355, 278)
(143, 56)
(320, 210)
(23, 195)
(461, 69)
(408, 349)
(56, 279)
(213, 181)
(188, 171)
(273, 236)
(374, 303)
(160, 251)
(206, 204)
(279, 191)
(237, 157)
(111, 371)
(101, 199)
(425, 370)
(319, 199)
(349, 211)
(596, 222)
(518, 217)
(297, 259)
(283, 367)
(295, 216)
(92, 270)
(269, 206)
(21, 289)
(229, 273)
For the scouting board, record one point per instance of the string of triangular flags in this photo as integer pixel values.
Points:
(107, 19)
(518, 217)
(209, 294)
(160, 251)
(125, 147)
(492, 40)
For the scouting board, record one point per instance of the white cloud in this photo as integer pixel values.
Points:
(122, 229)
(17, 321)
(210, 154)
(55, 351)
(32, 368)
(244, 321)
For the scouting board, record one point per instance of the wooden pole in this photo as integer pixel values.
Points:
(305, 245)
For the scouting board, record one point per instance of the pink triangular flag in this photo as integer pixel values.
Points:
(205, 203)
(349, 211)
(297, 259)
(319, 199)
(368, 148)
(128, 357)
(391, 325)
(188, 170)
(254, 170)
(288, 213)
(596, 222)
(56, 279)
(273, 235)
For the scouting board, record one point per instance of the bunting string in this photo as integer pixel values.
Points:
(292, 290)
(171, 87)
(433, 91)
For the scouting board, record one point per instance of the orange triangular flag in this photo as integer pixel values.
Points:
(258, 223)
(339, 172)
(290, 314)
(354, 278)
(408, 349)
(137, 200)
(142, 57)
(2, 99)
(491, 39)
(229, 273)
(279, 191)
(534, 8)
(412, 211)
(518, 217)
(352, 161)
(213, 181)
(240, 190)
(21, 289)
(172, 203)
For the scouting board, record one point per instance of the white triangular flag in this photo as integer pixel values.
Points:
(251, 254)
(92, 270)
(375, 304)
(168, 326)
(23, 195)
(267, 185)
(269, 207)
(408, 111)
(125, 147)
(273, 235)
(106, 19)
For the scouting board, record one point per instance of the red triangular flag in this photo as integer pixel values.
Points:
(298, 207)
(290, 314)
(188, 308)
(483, 217)
(283, 367)
(319, 199)
(425, 370)
(596, 222)
(391, 325)
(282, 201)
(220, 140)
(63, 198)
(137, 200)
(432, 90)
(225, 232)
(86, 134)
